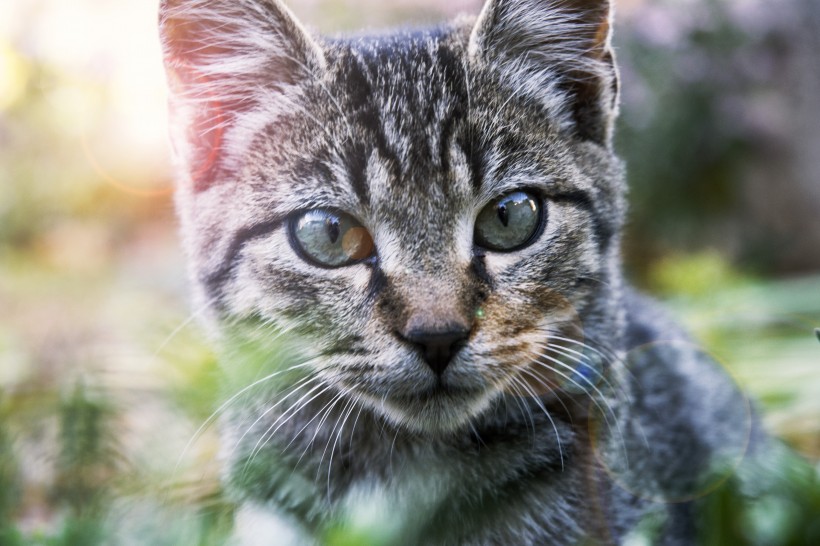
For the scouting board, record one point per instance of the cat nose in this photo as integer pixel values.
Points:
(439, 346)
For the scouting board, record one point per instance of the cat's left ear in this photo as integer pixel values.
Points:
(557, 51)
(226, 60)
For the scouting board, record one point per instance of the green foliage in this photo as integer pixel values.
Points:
(87, 530)
(193, 376)
(85, 463)
(9, 482)
(343, 535)
(694, 275)
(770, 502)
(88, 455)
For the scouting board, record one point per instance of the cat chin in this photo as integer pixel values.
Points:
(437, 412)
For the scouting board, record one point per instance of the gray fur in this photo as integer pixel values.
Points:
(413, 133)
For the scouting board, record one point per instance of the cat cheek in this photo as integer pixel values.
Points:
(499, 264)
(360, 279)
(525, 315)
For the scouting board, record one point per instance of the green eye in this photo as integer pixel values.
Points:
(509, 222)
(331, 239)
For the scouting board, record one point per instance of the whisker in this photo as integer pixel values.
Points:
(287, 415)
(580, 358)
(327, 443)
(609, 356)
(609, 410)
(325, 413)
(338, 435)
(392, 447)
(528, 390)
(476, 434)
(526, 411)
(355, 421)
(605, 412)
(318, 413)
(542, 382)
(292, 389)
(226, 404)
(175, 332)
(595, 279)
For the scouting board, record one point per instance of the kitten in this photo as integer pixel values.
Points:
(407, 248)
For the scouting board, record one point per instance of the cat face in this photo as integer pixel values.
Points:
(433, 212)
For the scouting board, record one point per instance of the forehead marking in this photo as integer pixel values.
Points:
(357, 81)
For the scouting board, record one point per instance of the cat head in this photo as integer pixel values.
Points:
(432, 210)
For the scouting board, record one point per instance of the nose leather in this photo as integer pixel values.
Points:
(438, 346)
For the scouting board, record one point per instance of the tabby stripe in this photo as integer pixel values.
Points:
(602, 232)
(479, 267)
(475, 160)
(214, 281)
(447, 130)
(356, 161)
(356, 80)
(457, 113)
(377, 284)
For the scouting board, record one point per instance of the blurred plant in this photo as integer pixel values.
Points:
(711, 120)
(10, 483)
(694, 275)
(683, 158)
(761, 331)
(773, 501)
(87, 465)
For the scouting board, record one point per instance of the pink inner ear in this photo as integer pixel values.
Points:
(206, 127)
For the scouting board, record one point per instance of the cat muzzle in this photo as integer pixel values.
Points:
(438, 347)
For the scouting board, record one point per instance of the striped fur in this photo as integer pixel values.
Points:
(413, 133)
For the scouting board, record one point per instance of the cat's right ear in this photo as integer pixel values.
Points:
(225, 60)
(558, 52)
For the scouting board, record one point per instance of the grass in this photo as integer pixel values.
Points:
(87, 455)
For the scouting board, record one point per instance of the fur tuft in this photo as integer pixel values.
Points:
(230, 64)
(555, 51)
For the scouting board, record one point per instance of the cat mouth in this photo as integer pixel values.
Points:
(439, 391)
(436, 409)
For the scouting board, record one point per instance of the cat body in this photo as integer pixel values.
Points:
(434, 217)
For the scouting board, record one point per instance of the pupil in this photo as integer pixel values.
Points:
(332, 225)
(503, 215)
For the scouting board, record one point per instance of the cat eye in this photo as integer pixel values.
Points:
(331, 239)
(510, 222)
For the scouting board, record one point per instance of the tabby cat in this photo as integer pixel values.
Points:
(406, 246)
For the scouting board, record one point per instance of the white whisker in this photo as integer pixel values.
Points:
(175, 332)
(351, 405)
(287, 415)
(542, 382)
(329, 438)
(541, 406)
(226, 404)
(605, 412)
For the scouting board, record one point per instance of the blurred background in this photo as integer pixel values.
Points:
(104, 377)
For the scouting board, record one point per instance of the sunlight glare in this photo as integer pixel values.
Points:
(13, 76)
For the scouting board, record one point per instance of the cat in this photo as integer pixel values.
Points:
(406, 248)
